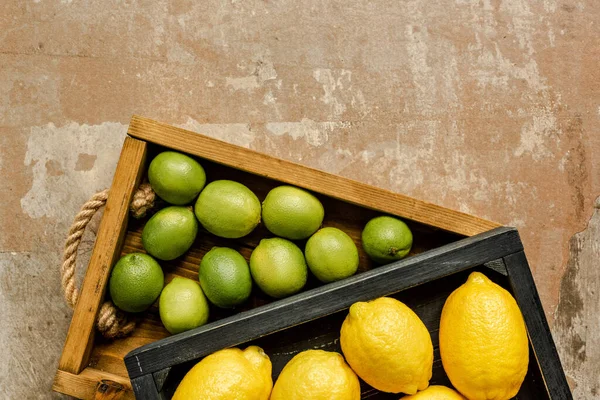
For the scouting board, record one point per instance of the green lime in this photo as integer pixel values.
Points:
(135, 282)
(225, 277)
(176, 178)
(228, 209)
(386, 239)
(331, 255)
(278, 267)
(292, 213)
(182, 305)
(170, 232)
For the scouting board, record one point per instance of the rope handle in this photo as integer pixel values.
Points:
(111, 322)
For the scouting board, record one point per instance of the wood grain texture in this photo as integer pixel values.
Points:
(526, 294)
(78, 345)
(322, 301)
(145, 389)
(331, 185)
(160, 377)
(85, 385)
(109, 390)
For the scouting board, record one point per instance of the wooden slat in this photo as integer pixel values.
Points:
(316, 303)
(160, 377)
(78, 346)
(108, 390)
(527, 297)
(145, 388)
(108, 355)
(89, 383)
(308, 178)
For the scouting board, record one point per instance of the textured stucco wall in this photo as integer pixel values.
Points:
(487, 106)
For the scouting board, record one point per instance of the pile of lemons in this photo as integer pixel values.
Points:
(483, 346)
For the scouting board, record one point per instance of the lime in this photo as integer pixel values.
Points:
(228, 209)
(225, 277)
(386, 239)
(331, 255)
(278, 267)
(292, 213)
(182, 305)
(175, 177)
(135, 282)
(170, 232)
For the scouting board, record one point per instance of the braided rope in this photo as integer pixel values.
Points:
(111, 322)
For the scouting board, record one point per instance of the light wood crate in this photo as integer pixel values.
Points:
(93, 368)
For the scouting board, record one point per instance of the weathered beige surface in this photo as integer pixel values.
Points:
(487, 106)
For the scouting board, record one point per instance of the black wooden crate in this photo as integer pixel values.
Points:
(313, 319)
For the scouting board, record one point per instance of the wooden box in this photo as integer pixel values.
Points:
(313, 319)
(93, 367)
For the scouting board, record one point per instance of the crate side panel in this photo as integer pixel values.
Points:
(337, 187)
(78, 345)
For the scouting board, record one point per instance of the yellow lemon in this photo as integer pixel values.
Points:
(316, 375)
(435, 392)
(483, 340)
(388, 346)
(230, 374)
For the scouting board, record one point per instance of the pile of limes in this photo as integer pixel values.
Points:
(229, 209)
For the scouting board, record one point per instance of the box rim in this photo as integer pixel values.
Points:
(316, 180)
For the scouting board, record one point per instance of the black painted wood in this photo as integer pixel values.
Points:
(145, 388)
(498, 266)
(313, 319)
(322, 301)
(525, 292)
(160, 377)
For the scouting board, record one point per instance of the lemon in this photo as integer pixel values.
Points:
(316, 375)
(182, 305)
(230, 374)
(228, 209)
(435, 392)
(388, 346)
(483, 340)
(135, 282)
(278, 267)
(225, 277)
(170, 232)
(292, 213)
(386, 239)
(331, 255)
(175, 177)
